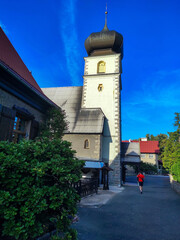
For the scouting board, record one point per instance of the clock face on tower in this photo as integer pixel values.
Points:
(101, 67)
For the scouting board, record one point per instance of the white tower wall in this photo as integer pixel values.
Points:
(109, 101)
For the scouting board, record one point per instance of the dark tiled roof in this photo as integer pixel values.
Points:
(149, 146)
(10, 58)
(81, 120)
(130, 152)
(130, 148)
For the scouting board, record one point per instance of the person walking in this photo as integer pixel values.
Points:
(140, 179)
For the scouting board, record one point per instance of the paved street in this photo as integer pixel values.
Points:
(154, 215)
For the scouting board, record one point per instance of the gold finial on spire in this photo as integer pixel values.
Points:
(106, 12)
(105, 25)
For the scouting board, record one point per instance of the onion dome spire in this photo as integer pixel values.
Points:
(104, 42)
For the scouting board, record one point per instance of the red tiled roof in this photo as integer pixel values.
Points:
(10, 58)
(149, 146)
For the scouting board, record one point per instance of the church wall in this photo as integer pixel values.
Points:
(105, 99)
(78, 141)
(112, 66)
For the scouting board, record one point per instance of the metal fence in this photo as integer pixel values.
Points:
(86, 186)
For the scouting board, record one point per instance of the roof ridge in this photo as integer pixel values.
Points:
(13, 60)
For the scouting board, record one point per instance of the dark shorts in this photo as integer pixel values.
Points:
(141, 184)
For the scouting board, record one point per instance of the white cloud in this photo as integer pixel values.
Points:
(155, 101)
(161, 89)
(69, 36)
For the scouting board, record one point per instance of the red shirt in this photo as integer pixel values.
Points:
(140, 177)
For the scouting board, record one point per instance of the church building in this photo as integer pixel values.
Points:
(94, 110)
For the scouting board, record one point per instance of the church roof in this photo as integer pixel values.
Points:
(104, 42)
(81, 120)
(10, 59)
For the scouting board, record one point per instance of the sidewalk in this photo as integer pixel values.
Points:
(101, 198)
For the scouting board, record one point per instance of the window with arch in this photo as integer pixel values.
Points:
(86, 144)
(101, 67)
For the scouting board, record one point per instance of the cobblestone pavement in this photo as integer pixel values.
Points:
(128, 215)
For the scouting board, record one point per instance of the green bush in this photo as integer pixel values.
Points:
(171, 159)
(147, 168)
(70, 235)
(35, 187)
(175, 170)
(164, 171)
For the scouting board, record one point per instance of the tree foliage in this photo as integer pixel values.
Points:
(177, 121)
(162, 138)
(171, 155)
(35, 187)
(55, 124)
(147, 168)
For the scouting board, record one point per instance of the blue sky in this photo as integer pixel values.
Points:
(49, 36)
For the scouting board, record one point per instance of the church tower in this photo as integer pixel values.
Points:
(102, 89)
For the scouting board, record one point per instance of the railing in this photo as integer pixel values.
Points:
(86, 186)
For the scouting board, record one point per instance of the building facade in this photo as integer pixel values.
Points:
(94, 110)
(150, 152)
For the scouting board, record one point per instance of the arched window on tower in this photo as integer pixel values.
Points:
(86, 144)
(101, 67)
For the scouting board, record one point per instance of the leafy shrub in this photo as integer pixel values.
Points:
(164, 171)
(147, 168)
(175, 170)
(35, 187)
(54, 125)
(70, 235)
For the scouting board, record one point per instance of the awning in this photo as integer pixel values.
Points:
(92, 164)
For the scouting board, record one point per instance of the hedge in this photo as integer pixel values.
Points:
(35, 188)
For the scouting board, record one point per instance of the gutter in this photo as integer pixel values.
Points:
(24, 82)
